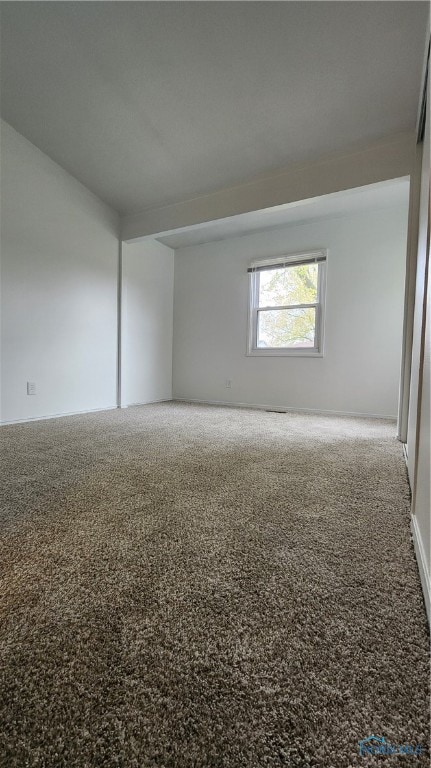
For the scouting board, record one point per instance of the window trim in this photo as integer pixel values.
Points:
(292, 259)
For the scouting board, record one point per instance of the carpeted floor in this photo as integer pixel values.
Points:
(188, 586)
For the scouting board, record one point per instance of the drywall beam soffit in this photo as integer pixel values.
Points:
(389, 159)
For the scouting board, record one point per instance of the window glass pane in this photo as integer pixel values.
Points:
(288, 285)
(286, 328)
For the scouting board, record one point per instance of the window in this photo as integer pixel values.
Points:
(287, 305)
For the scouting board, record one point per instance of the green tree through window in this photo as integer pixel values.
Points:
(287, 287)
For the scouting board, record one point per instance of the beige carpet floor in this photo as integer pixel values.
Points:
(187, 586)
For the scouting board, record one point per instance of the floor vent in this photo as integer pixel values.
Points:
(270, 410)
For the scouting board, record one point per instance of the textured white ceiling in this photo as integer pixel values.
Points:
(149, 103)
(372, 197)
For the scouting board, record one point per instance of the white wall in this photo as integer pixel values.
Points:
(360, 370)
(146, 347)
(59, 254)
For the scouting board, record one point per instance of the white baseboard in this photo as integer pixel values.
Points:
(260, 407)
(148, 402)
(422, 564)
(58, 415)
(81, 413)
(257, 406)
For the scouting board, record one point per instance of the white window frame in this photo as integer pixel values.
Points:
(253, 350)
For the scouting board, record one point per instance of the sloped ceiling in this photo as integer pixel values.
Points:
(150, 103)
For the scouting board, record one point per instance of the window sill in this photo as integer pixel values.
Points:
(284, 353)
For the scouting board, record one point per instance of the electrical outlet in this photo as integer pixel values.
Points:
(228, 384)
(31, 387)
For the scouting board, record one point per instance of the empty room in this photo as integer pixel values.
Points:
(215, 384)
